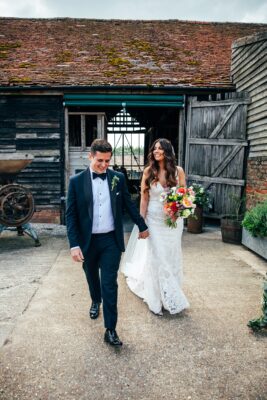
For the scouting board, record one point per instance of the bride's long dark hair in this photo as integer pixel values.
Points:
(169, 164)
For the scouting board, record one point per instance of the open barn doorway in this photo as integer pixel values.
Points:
(127, 138)
(132, 131)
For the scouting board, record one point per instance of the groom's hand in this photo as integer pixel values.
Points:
(77, 255)
(143, 235)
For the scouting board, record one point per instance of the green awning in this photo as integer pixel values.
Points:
(123, 100)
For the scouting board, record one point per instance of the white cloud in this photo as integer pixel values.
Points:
(25, 9)
(257, 15)
(198, 10)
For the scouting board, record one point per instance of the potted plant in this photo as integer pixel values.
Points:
(195, 221)
(254, 233)
(231, 224)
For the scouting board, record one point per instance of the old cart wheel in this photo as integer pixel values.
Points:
(16, 205)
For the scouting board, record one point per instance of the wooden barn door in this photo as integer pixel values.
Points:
(215, 149)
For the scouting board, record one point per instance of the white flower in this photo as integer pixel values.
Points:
(186, 213)
(163, 197)
(114, 182)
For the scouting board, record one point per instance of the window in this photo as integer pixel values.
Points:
(82, 130)
(90, 129)
(127, 138)
(75, 131)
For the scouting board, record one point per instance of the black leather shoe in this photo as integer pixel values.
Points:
(112, 338)
(94, 310)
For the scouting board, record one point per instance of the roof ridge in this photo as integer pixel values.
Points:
(138, 20)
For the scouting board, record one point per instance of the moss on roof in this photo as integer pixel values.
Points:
(67, 51)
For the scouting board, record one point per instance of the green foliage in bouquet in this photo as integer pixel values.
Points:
(202, 196)
(260, 323)
(255, 220)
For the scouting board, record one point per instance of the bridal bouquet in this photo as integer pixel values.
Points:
(178, 202)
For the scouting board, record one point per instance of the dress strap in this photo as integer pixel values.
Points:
(177, 175)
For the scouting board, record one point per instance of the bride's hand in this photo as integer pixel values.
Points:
(143, 235)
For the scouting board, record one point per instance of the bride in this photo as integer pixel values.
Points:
(153, 267)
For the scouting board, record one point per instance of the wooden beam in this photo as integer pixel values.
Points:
(218, 142)
(67, 161)
(226, 161)
(223, 121)
(37, 124)
(223, 103)
(181, 138)
(188, 134)
(227, 181)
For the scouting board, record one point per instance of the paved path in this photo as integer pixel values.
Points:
(53, 351)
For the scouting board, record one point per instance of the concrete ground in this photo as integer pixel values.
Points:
(52, 350)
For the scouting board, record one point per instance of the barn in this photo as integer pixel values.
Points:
(64, 82)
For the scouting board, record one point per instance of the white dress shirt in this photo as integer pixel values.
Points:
(103, 220)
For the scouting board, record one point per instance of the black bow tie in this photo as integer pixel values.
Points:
(101, 176)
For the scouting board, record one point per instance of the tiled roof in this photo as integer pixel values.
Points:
(73, 52)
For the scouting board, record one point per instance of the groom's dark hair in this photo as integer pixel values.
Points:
(101, 145)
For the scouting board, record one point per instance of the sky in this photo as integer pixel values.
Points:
(192, 10)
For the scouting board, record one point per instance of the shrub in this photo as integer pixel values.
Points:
(255, 220)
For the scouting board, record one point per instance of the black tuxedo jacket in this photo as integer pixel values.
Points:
(79, 213)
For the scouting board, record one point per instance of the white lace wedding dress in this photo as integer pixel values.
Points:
(153, 266)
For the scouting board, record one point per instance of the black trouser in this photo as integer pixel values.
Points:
(104, 256)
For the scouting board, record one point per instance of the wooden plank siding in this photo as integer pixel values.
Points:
(215, 149)
(7, 127)
(35, 125)
(249, 73)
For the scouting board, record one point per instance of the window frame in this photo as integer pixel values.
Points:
(82, 114)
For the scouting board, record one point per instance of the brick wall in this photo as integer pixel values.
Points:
(46, 216)
(256, 187)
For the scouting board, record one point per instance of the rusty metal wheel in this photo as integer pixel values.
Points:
(16, 205)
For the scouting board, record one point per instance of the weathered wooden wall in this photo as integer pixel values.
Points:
(35, 125)
(249, 73)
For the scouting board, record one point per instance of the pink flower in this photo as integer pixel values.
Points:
(187, 203)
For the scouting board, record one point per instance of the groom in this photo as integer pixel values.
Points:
(96, 199)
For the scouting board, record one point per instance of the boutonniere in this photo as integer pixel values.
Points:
(114, 182)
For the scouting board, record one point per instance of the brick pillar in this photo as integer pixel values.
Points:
(256, 183)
